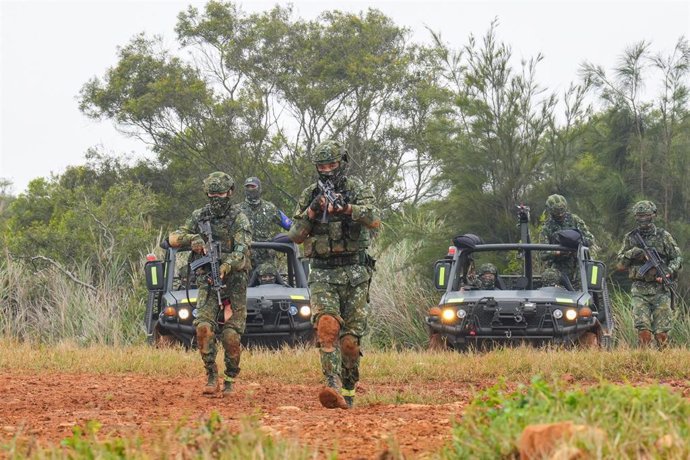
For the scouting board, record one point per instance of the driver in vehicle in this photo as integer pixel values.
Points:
(266, 274)
(551, 278)
(486, 277)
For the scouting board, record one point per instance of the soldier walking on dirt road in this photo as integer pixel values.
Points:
(334, 219)
(230, 228)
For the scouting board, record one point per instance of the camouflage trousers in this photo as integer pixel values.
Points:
(651, 305)
(208, 323)
(341, 292)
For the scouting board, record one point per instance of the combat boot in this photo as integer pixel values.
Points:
(644, 338)
(212, 381)
(227, 385)
(330, 396)
(661, 340)
(349, 397)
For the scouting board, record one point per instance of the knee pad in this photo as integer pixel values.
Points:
(327, 331)
(204, 335)
(231, 342)
(349, 345)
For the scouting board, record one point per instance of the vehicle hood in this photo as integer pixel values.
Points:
(277, 292)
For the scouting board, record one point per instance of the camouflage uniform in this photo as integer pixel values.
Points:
(340, 272)
(230, 227)
(560, 219)
(263, 217)
(651, 300)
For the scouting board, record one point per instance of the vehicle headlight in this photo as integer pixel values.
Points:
(183, 313)
(558, 314)
(305, 311)
(195, 312)
(570, 314)
(448, 314)
(292, 310)
(461, 313)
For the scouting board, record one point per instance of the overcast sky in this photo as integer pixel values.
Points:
(49, 49)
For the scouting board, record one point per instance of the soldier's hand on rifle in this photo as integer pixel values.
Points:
(198, 245)
(316, 206)
(636, 254)
(660, 280)
(225, 270)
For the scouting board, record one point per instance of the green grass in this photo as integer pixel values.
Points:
(633, 418)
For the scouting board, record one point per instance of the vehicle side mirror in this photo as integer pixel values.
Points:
(596, 272)
(305, 267)
(441, 275)
(155, 279)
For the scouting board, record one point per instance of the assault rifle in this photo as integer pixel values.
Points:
(653, 261)
(326, 189)
(211, 257)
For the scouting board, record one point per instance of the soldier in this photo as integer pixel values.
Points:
(651, 300)
(230, 227)
(341, 269)
(560, 219)
(486, 277)
(266, 273)
(263, 216)
(551, 278)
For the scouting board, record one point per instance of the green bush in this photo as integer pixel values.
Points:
(634, 419)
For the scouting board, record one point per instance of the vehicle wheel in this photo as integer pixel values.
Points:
(606, 342)
(163, 341)
(588, 340)
(437, 342)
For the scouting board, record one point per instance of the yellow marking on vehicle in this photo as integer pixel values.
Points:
(154, 276)
(563, 300)
(188, 300)
(457, 300)
(298, 297)
(595, 272)
(442, 276)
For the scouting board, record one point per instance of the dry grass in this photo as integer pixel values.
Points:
(380, 367)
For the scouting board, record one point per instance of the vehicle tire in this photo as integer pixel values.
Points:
(161, 340)
(588, 340)
(437, 342)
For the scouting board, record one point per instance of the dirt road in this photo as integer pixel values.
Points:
(47, 406)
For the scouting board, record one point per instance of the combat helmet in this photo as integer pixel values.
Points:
(557, 206)
(330, 151)
(644, 212)
(219, 182)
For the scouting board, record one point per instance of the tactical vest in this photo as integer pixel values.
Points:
(338, 236)
(222, 229)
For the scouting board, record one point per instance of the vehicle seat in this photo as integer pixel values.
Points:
(520, 283)
(565, 282)
(500, 284)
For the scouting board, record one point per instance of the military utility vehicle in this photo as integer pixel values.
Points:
(521, 308)
(277, 313)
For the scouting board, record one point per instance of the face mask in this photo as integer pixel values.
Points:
(645, 221)
(253, 194)
(487, 281)
(219, 205)
(558, 214)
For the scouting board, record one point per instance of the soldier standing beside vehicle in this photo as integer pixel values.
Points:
(336, 237)
(651, 299)
(230, 227)
(559, 218)
(263, 217)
